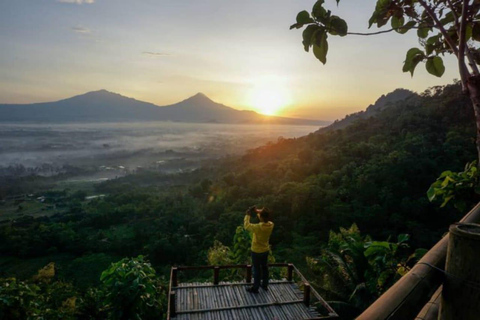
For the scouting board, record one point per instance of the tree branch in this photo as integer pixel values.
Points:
(440, 27)
(455, 16)
(461, 45)
(468, 52)
(371, 33)
(380, 32)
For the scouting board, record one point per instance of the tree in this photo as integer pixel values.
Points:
(133, 290)
(443, 27)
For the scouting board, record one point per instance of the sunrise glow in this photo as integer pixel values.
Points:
(268, 100)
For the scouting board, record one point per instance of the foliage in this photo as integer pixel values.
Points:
(219, 255)
(439, 26)
(456, 187)
(18, 300)
(241, 246)
(132, 290)
(43, 300)
(356, 270)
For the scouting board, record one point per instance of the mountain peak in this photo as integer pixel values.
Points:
(199, 97)
(99, 94)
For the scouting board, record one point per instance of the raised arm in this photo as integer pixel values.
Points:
(247, 225)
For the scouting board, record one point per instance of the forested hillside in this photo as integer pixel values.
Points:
(375, 172)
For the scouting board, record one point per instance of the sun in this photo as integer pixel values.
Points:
(268, 101)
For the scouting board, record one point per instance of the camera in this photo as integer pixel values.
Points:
(252, 211)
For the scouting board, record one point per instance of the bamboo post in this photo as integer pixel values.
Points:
(461, 292)
(290, 272)
(216, 273)
(173, 312)
(174, 277)
(249, 274)
(306, 294)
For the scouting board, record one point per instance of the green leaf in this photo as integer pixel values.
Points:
(296, 26)
(383, 12)
(435, 66)
(397, 22)
(319, 12)
(431, 193)
(449, 18)
(403, 238)
(303, 17)
(433, 39)
(308, 34)
(423, 32)
(432, 43)
(372, 19)
(320, 47)
(338, 26)
(446, 200)
(404, 29)
(414, 56)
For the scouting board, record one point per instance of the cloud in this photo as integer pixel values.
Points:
(156, 54)
(77, 1)
(82, 30)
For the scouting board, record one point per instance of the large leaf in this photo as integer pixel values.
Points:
(308, 35)
(320, 47)
(422, 32)
(303, 17)
(433, 43)
(338, 26)
(319, 12)
(435, 66)
(403, 238)
(414, 56)
(397, 22)
(377, 247)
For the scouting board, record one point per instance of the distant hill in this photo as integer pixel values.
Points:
(105, 106)
(390, 99)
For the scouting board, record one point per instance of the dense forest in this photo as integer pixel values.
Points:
(334, 194)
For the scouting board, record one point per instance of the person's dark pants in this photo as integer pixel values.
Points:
(260, 269)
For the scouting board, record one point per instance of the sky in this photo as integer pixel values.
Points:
(239, 53)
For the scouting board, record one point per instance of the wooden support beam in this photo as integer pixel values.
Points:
(249, 274)
(216, 274)
(306, 294)
(173, 311)
(290, 272)
(174, 277)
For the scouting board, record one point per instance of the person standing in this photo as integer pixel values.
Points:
(260, 245)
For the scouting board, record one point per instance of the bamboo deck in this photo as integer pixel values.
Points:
(230, 300)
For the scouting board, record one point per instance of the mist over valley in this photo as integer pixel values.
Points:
(47, 149)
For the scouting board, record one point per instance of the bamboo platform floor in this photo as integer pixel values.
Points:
(230, 300)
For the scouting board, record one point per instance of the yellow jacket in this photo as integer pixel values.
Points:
(261, 234)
